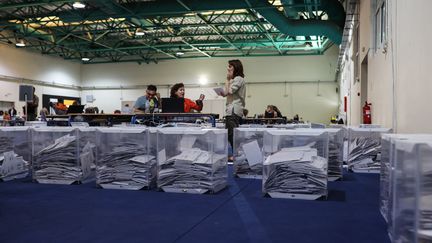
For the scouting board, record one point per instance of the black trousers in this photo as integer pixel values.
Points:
(31, 117)
(231, 122)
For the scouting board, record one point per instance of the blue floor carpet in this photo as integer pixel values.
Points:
(32, 212)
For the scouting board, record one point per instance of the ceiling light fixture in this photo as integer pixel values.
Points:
(203, 80)
(20, 43)
(78, 5)
(179, 53)
(139, 32)
(85, 59)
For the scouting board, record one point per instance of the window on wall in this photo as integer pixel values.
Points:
(379, 21)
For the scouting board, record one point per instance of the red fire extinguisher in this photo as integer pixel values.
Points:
(367, 116)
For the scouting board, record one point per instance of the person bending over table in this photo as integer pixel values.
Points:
(270, 112)
(178, 91)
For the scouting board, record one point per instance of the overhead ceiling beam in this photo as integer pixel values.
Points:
(197, 34)
(174, 35)
(119, 8)
(33, 4)
(214, 28)
(262, 28)
(70, 51)
(7, 23)
(264, 43)
(102, 39)
(170, 8)
(313, 53)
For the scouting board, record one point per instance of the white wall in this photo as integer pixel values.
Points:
(399, 80)
(31, 65)
(413, 65)
(17, 64)
(270, 72)
(349, 88)
(287, 82)
(294, 68)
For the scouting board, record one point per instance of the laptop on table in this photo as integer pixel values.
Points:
(75, 109)
(172, 105)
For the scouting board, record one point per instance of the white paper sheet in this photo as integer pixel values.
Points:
(187, 142)
(253, 153)
(219, 91)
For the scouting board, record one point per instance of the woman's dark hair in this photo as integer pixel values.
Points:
(238, 68)
(175, 88)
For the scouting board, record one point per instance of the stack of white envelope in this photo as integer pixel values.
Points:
(364, 154)
(296, 172)
(335, 151)
(364, 149)
(193, 171)
(248, 150)
(425, 219)
(245, 169)
(87, 145)
(127, 166)
(59, 162)
(12, 166)
(335, 159)
(6, 144)
(248, 153)
(426, 214)
(410, 218)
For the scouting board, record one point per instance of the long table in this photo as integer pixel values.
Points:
(110, 119)
(107, 119)
(278, 120)
(169, 116)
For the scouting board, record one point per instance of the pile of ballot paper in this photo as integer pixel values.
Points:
(126, 166)
(335, 158)
(60, 163)
(410, 219)
(12, 166)
(385, 191)
(249, 159)
(364, 154)
(6, 144)
(296, 171)
(193, 171)
(426, 214)
(385, 183)
(426, 202)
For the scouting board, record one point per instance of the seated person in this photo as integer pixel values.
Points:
(126, 109)
(6, 116)
(149, 102)
(59, 108)
(296, 118)
(270, 112)
(178, 91)
(278, 113)
(91, 110)
(43, 114)
(245, 113)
